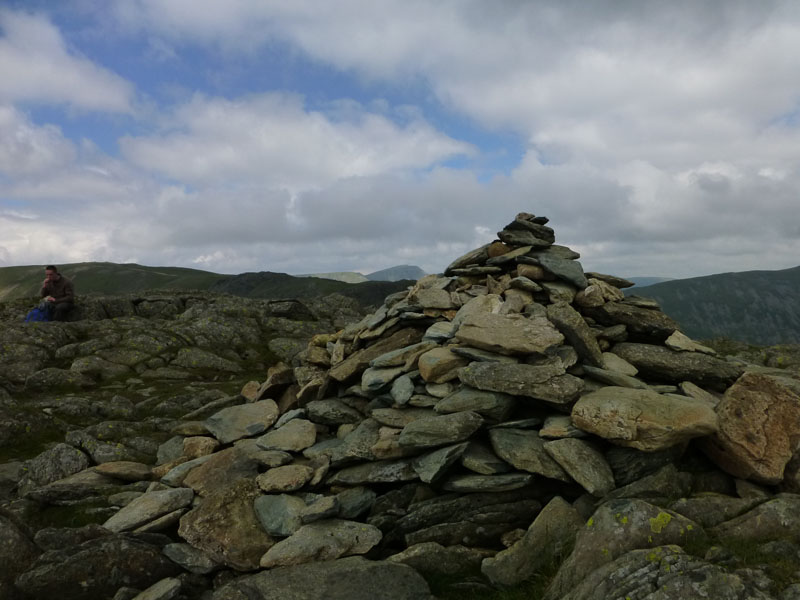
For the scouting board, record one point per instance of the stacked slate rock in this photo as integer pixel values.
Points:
(481, 422)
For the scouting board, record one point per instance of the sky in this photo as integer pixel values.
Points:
(660, 138)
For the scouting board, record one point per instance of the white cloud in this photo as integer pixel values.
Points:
(27, 149)
(660, 138)
(273, 139)
(36, 65)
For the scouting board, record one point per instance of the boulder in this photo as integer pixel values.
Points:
(615, 528)
(508, 334)
(226, 528)
(246, 420)
(759, 429)
(643, 419)
(663, 364)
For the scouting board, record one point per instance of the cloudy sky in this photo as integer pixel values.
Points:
(660, 138)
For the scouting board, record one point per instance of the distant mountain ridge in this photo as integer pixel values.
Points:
(647, 281)
(103, 278)
(397, 273)
(758, 307)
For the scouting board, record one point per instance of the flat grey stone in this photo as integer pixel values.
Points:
(294, 436)
(524, 450)
(440, 430)
(508, 334)
(487, 483)
(481, 459)
(577, 332)
(149, 507)
(246, 420)
(321, 541)
(584, 463)
(332, 412)
(494, 406)
(430, 467)
(615, 378)
(191, 559)
(355, 501)
(387, 471)
(279, 514)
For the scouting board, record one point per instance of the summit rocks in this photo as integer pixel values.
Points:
(425, 437)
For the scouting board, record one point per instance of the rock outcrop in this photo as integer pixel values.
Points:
(512, 418)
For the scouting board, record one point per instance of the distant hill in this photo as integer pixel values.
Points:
(758, 307)
(646, 281)
(280, 285)
(103, 278)
(345, 276)
(397, 273)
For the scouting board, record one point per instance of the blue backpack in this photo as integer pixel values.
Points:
(37, 314)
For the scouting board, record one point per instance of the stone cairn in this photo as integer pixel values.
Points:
(478, 423)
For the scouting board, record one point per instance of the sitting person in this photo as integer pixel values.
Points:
(58, 294)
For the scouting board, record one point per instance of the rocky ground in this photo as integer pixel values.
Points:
(514, 426)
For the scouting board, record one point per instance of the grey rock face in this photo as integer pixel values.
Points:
(354, 578)
(51, 465)
(96, 569)
(640, 321)
(574, 328)
(664, 572)
(552, 532)
(617, 527)
(670, 366)
(17, 552)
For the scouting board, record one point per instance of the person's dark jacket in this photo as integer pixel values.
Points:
(61, 289)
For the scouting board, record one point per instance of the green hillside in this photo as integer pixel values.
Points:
(114, 279)
(280, 285)
(105, 278)
(758, 307)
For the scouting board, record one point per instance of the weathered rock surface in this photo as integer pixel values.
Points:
(643, 419)
(96, 569)
(664, 572)
(617, 527)
(226, 527)
(354, 578)
(508, 334)
(663, 364)
(325, 540)
(759, 429)
(551, 533)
